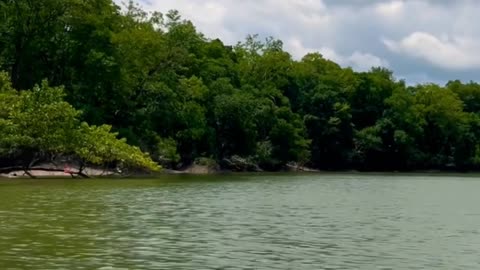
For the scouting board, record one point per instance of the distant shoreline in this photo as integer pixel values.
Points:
(199, 170)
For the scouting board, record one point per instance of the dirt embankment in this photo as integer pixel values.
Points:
(51, 170)
(62, 171)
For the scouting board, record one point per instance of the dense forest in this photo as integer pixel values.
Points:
(153, 89)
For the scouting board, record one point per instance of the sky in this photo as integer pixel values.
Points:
(420, 40)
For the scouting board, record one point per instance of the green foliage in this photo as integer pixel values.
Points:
(476, 157)
(235, 124)
(264, 152)
(288, 138)
(98, 145)
(39, 122)
(207, 162)
(154, 80)
(167, 150)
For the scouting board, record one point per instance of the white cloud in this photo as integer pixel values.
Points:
(233, 20)
(364, 61)
(424, 35)
(358, 60)
(418, 78)
(445, 52)
(390, 9)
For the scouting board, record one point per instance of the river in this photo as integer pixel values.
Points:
(311, 221)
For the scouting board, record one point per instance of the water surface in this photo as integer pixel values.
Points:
(325, 221)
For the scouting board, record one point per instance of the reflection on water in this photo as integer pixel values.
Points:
(242, 222)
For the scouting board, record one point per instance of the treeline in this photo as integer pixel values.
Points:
(181, 97)
(39, 126)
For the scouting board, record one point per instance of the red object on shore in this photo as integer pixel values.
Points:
(67, 169)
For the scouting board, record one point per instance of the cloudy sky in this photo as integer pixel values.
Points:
(420, 40)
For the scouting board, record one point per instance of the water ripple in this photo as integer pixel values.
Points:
(249, 222)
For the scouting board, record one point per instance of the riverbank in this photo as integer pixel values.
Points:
(54, 174)
(57, 171)
(62, 171)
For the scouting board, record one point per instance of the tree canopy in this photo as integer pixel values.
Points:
(155, 81)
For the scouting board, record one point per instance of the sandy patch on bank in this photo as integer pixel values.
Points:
(199, 169)
(60, 172)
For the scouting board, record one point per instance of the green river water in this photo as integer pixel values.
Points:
(314, 221)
